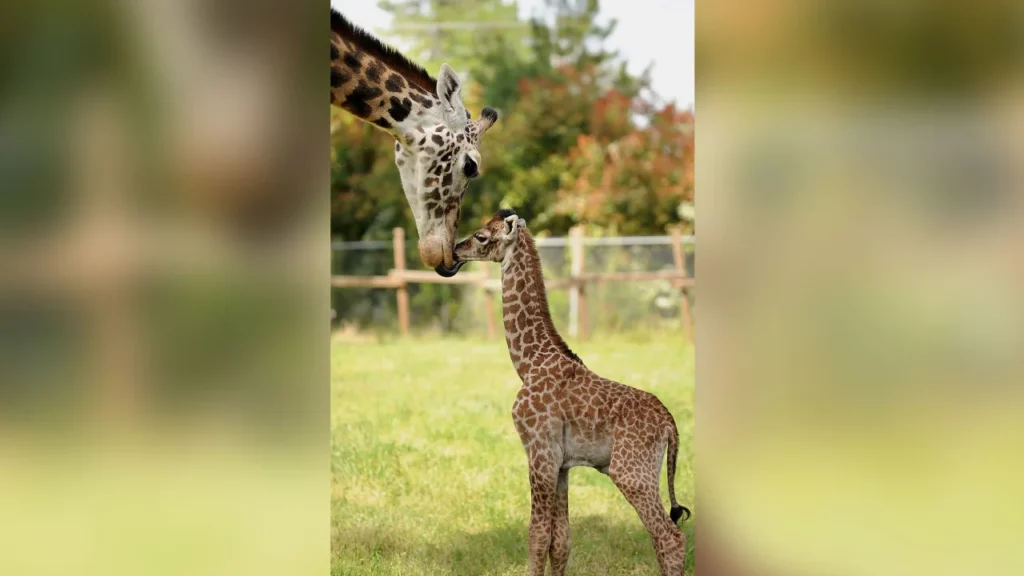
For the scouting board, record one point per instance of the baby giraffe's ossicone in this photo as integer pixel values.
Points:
(566, 415)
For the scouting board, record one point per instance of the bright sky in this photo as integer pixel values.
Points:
(658, 31)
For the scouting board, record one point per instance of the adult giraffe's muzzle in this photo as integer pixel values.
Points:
(449, 264)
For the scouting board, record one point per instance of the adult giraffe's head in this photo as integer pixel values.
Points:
(436, 140)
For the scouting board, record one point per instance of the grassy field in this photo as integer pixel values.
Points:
(430, 478)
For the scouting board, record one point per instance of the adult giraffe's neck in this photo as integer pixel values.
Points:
(530, 334)
(377, 84)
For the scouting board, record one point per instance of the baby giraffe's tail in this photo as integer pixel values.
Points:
(677, 511)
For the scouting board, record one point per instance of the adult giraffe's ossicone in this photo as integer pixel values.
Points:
(436, 140)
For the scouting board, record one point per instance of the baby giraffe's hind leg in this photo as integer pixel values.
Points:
(635, 473)
(560, 540)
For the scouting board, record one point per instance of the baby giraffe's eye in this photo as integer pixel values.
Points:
(481, 238)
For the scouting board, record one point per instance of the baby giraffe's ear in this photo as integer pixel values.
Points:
(511, 223)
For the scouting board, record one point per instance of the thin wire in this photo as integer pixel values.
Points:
(549, 242)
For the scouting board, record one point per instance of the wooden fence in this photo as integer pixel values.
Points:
(399, 277)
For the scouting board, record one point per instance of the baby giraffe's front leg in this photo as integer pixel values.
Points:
(544, 465)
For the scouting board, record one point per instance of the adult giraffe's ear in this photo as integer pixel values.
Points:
(449, 90)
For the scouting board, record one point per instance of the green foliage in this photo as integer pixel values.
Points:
(429, 476)
(454, 31)
(366, 192)
(580, 140)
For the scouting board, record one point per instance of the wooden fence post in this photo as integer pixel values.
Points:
(684, 303)
(398, 242)
(577, 291)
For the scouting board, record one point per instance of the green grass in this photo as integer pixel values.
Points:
(430, 478)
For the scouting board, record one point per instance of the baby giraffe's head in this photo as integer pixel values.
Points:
(490, 243)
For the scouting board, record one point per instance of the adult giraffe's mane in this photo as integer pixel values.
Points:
(532, 260)
(393, 59)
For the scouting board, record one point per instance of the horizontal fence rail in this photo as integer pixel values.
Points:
(399, 277)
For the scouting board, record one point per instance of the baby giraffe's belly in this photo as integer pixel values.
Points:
(593, 450)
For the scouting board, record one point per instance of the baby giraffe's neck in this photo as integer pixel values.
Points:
(533, 342)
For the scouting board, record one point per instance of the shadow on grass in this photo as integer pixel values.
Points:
(599, 546)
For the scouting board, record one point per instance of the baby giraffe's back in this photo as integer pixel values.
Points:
(595, 413)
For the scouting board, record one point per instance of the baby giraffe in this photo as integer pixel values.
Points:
(568, 416)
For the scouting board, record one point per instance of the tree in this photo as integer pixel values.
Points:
(569, 147)
(579, 141)
(455, 32)
(636, 184)
(366, 192)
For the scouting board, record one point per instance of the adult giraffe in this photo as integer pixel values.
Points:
(436, 140)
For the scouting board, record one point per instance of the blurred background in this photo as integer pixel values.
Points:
(163, 261)
(165, 249)
(596, 132)
(860, 408)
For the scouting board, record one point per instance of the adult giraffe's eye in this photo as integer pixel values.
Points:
(470, 169)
